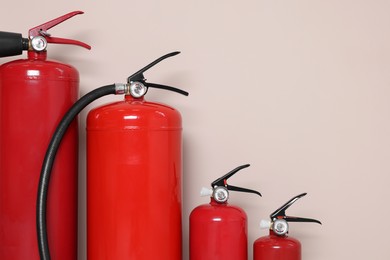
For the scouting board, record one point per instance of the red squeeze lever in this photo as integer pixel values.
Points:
(41, 36)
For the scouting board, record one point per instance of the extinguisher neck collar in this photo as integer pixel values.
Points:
(273, 234)
(214, 202)
(130, 98)
(34, 55)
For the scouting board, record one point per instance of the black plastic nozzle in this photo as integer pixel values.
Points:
(12, 44)
(222, 181)
(280, 213)
(139, 77)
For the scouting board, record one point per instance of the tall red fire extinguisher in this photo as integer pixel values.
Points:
(134, 168)
(133, 174)
(34, 94)
(277, 245)
(219, 230)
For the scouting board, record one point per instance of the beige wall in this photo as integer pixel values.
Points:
(298, 89)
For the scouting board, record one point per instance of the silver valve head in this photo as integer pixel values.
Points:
(221, 188)
(279, 220)
(138, 85)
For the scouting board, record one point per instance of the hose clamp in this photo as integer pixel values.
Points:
(120, 88)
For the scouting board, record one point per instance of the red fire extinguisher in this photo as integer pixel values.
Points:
(277, 245)
(134, 150)
(219, 230)
(133, 174)
(34, 95)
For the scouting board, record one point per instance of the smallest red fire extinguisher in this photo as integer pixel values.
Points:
(277, 245)
(219, 230)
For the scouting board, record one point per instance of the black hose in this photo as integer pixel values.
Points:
(49, 161)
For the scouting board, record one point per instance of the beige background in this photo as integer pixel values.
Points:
(299, 89)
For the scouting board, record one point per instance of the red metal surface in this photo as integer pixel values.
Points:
(274, 247)
(218, 231)
(34, 95)
(134, 169)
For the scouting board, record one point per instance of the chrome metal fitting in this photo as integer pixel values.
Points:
(280, 227)
(121, 88)
(137, 89)
(39, 43)
(221, 194)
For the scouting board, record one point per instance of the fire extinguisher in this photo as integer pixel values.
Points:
(133, 174)
(34, 94)
(219, 230)
(277, 245)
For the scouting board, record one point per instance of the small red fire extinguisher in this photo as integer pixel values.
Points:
(219, 230)
(34, 94)
(277, 245)
(134, 167)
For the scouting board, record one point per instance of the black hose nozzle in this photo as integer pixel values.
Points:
(12, 44)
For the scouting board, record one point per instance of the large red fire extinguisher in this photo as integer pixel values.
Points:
(277, 245)
(34, 94)
(133, 174)
(219, 230)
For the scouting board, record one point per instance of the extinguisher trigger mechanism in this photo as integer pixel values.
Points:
(141, 86)
(234, 188)
(280, 219)
(221, 188)
(39, 37)
(221, 181)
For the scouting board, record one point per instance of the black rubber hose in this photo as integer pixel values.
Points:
(12, 44)
(48, 162)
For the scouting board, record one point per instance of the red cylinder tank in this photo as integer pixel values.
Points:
(134, 168)
(276, 247)
(34, 94)
(218, 231)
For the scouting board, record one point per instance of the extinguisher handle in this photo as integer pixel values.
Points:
(280, 213)
(41, 30)
(299, 219)
(140, 78)
(57, 40)
(12, 44)
(221, 181)
(234, 188)
(154, 85)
